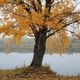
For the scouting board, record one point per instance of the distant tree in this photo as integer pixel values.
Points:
(45, 20)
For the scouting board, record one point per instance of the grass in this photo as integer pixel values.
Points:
(31, 73)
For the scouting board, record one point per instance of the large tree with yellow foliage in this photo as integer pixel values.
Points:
(45, 20)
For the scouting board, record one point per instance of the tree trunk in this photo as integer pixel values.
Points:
(39, 49)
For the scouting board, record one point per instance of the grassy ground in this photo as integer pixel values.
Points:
(42, 73)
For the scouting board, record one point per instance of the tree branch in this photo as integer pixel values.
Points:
(73, 33)
(21, 2)
(49, 30)
(34, 5)
(26, 8)
(48, 5)
(62, 28)
(56, 3)
(17, 14)
(40, 5)
(65, 15)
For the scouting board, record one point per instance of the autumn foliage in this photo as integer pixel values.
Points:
(25, 17)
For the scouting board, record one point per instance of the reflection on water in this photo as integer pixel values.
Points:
(67, 64)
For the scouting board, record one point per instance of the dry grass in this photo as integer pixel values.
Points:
(30, 73)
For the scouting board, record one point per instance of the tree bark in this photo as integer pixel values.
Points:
(39, 48)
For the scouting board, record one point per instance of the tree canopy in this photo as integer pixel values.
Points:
(26, 17)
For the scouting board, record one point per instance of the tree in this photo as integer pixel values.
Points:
(42, 19)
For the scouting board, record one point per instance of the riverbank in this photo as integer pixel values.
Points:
(42, 73)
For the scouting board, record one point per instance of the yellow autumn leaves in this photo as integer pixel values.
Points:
(54, 20)
(37, 18)
(58, 42)
(1, 1)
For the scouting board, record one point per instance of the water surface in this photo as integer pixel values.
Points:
(12, 56)
(66, 64)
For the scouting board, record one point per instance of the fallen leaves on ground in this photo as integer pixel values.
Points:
(31, 73)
